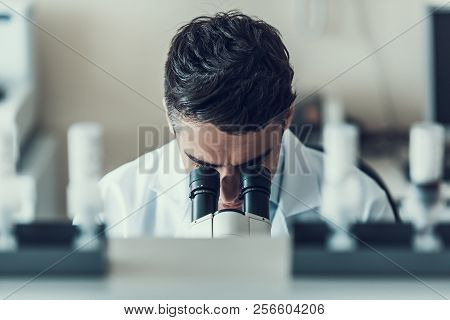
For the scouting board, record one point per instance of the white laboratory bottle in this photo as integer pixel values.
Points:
(423, 205)
(85, 155)
(334, 112)
(341, 187)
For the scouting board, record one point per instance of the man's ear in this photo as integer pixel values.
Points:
(169, 123)
(289, 116)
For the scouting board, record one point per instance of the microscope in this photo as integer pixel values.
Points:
(53, 247)
(208, 222)
(35, 149)
(418, 242)
(423, 205)
(17, 79)
(17, 192)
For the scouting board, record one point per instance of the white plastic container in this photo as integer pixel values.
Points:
(341, 190)
(17, 193)
(85, 155)
(426, 152)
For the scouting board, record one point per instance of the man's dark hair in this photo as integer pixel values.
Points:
(229, 70)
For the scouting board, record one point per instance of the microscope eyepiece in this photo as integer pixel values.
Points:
(255, 190)
(204, 185)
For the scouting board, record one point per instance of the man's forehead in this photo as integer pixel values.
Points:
(211, 134)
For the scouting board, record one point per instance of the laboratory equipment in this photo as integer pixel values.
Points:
(18, 107)
(420, 245)
(16, 192)
(208, 222)
(56, 247)
(85, 170)
(17, 78)
(341, 195)
(438, 96)
(438, 65)
(423, 206)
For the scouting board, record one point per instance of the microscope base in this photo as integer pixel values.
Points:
(53, 248)
(53, 261)
(381, 249)
(365, 262)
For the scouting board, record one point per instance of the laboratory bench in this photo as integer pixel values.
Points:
(148, 268)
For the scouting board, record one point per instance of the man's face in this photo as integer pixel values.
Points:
(206, 145)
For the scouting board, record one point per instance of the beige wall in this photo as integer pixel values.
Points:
(117, 45)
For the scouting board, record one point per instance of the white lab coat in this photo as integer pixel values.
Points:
(149, 196)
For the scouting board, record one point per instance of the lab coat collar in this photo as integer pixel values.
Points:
(171, 183)
(173, 179)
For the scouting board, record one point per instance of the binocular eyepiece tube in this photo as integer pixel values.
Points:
(204, 184)
(255, 186)
(255, 190)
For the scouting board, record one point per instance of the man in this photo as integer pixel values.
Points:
(229, 100)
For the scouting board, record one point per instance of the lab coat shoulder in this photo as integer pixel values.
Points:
(122, 196)
(133, 192)
(302, 186)
(374, 206)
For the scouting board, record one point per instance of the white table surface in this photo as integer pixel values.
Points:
(220, 269)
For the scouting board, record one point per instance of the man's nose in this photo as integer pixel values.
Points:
(229, 186)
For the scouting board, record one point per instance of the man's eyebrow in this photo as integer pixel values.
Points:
(201, 162)
(215, 165)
